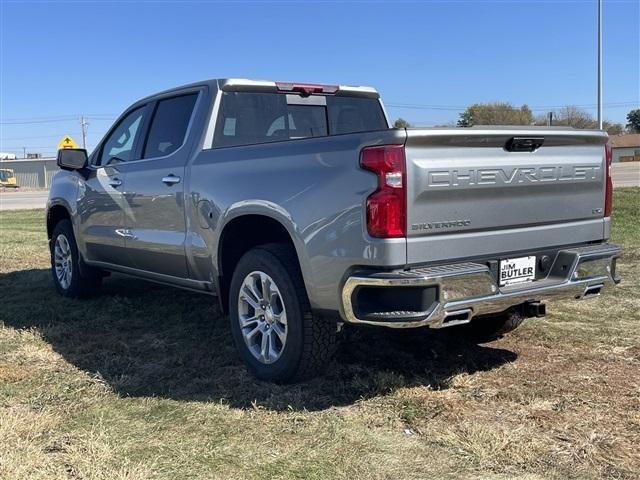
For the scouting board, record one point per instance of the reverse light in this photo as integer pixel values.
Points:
(608, 195)
(387, 206)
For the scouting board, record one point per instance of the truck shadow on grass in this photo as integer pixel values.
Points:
(144, 339)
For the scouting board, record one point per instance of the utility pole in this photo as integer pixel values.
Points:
(600, 64)
(550, 119)
(24, 152)
(83, 125)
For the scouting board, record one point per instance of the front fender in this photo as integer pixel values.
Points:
(63, 193)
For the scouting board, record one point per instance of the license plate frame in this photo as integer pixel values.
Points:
(513, 271)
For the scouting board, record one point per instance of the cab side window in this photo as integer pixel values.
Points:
(169, 125)
(120, 144)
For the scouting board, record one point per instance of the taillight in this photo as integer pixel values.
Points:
(608, 195)
(387, 206)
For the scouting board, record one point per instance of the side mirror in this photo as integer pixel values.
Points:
(72, 158)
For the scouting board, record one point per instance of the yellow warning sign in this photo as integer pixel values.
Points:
(67, 142)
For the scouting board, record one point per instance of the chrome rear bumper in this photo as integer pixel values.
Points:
(466, 290)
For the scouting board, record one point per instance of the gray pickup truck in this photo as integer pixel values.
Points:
(302, 210)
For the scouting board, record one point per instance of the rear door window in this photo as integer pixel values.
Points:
(169, 125)
(250, 118)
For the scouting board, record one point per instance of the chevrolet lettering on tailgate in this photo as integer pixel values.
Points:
(506, 176)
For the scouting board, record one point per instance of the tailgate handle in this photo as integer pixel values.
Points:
(523, 144)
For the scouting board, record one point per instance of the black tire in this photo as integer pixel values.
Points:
(490, 328)
(85, 281)
(310, 342)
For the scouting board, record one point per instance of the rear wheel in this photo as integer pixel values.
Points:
(275, 333)
(70, 278)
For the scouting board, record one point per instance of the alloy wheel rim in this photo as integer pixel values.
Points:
(262, 317)
(63, 262)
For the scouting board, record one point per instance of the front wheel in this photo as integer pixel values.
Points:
(275, 333)
(70, 280)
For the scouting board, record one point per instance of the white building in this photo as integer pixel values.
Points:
(32, 173)
(625, 148)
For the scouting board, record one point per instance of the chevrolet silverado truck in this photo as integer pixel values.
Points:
(302, 211)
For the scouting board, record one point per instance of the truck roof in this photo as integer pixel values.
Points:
(249, 85)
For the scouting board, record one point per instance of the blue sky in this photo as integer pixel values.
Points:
(63, 59)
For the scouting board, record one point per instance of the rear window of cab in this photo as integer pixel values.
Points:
(247, 118)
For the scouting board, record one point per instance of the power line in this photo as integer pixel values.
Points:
(49, 117)
(18, 141)
(36, 137)
(30, 138)
(534, 108)
(62, 116)
(109, 116)
(31, 122)
(52, 146)
(43, 150)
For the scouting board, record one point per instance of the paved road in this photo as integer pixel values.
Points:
(624, 175)
(17, 200)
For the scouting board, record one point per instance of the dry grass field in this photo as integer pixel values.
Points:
(143, 383)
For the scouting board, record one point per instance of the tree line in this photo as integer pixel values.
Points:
(502, 113)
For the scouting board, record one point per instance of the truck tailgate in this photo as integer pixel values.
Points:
(465, 188)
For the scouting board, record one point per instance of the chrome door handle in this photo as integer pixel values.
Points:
(115, 182)
(170, 179)
(126, 233)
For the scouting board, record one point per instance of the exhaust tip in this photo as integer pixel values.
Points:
(592, 291)
(457, 317)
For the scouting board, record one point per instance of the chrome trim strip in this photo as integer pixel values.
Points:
(471, 286)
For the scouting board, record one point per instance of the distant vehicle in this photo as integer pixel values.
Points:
(8, 178)
(302, 210)
(8, 156)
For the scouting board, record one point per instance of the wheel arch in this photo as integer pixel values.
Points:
(244, 231)
(55, 214)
